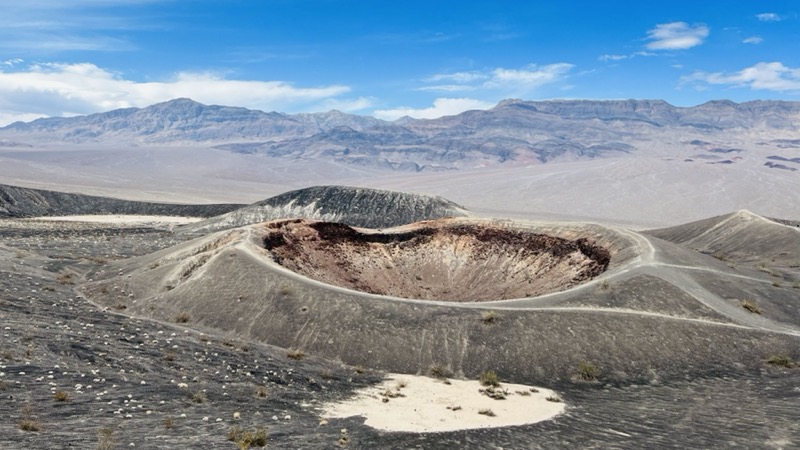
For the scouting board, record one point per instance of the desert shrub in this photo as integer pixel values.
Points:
(245, 439)
(199, 397)
(106, 439)
(169, 422)
(553, 398)
(489, 378)
(262, 392)
(28, 421)
(65, 278)
(587, 371)
(439, 371)
(720, 256)
(605, 285)
(61, 396)
(295, 354)
(780, 360)
(750, 306)
(182, 317)
(30, 425)
(489, 317)
(487, 412)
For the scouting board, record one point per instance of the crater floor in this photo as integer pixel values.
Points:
(436, 260)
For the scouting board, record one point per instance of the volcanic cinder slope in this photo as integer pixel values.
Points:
(666, 338)
(658, 310)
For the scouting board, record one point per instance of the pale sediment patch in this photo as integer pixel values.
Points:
(122, 219)
(421, 404)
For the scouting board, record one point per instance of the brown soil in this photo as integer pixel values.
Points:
(437, 260)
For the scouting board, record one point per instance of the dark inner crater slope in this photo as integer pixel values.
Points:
(436, 260)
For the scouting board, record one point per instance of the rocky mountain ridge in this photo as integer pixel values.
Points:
(524, 132)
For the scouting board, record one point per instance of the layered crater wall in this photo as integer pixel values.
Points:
(437, 260)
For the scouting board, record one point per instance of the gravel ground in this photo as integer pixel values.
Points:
(126, 382)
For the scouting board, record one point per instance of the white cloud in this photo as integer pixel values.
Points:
(676, 36)
(56, 89)
(770, 76)
(530, 77)
(441, 107)
(458, 77)
(753, 40)
(502, 81)
(769, 17)
(607, 57)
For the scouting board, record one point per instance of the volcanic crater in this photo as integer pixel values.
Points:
(436, 260)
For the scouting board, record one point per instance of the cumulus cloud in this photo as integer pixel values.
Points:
(753, 40)
(441, 107)
(56, 89)
(769, 76)
(769, 17)
(676, 36)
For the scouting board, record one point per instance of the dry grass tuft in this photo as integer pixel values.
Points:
(489, 378)
(750, 306)
(295, 354)
(182, 317)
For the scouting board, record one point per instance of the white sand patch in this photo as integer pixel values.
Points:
(431, 405)
(122, 219)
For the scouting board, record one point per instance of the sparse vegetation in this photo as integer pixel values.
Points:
(295, 354)
(487, 412)
(169, 423)
(781, 360)
(106, 439)
(439, 371)
(61, 396)
(553, 398)
(244, 439)
(262, 392)
(605, 286)
(720, 256)
(28, 421)
(750, 306)
(65, 278)
(489, 378)
(199, 397)
(587, 371)
(489, 317)
(182, 317)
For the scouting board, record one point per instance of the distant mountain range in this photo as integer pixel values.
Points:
(514, 131)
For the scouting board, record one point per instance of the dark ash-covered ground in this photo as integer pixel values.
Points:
(124, 375)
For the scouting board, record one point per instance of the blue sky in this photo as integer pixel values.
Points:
(389, 58)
